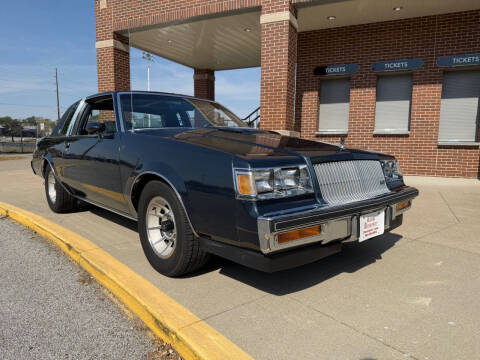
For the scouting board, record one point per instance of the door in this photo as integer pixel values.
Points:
(92, 160)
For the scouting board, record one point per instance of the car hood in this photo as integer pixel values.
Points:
(254, 143)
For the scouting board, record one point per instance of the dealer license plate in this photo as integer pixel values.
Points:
(372, 225)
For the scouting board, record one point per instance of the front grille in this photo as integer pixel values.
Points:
(348, 181)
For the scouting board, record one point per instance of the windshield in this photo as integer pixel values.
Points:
(147, 111)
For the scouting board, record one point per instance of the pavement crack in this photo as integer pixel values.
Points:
(224, 311)
(358, 331)
(448, 206)
(433, 232)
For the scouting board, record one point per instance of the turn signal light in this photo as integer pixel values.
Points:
(403, 205)
(299, 234)
(245, 184)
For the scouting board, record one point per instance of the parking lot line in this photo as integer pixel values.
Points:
(170, 321)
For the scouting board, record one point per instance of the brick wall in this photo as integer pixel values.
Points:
(113, 69)
(204, 83)
(137, 13)
(278, 58)
(113, 65)
(119, 15)
(426, 38)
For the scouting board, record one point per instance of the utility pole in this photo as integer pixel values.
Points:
(58, 100)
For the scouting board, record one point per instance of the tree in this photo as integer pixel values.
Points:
(12, 127)
(32, 120)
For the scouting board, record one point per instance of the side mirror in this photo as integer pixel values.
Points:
(95, 128)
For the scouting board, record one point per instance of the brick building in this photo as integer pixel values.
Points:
(399, 76)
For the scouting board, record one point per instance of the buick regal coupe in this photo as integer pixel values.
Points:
(199, 181)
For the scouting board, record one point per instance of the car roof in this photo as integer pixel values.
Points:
(113, 93)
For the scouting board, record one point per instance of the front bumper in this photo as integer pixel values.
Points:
(338, 223)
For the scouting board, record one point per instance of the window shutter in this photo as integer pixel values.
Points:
(392, 111)
(334, 105)
(459, 108)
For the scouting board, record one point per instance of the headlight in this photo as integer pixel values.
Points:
(392, 171)
(273, 183)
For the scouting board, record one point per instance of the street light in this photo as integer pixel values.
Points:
(150, 59)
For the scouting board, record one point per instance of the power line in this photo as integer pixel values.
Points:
(31, 105)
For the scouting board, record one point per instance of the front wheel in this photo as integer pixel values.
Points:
(165, 233)
(59, 200)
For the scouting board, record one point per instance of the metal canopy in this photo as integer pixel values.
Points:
(217, 43)
(233, 41)
(354, 12)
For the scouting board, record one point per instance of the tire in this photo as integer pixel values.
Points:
(170, 247)
(58, 198)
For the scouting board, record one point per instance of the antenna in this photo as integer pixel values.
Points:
(58, 100)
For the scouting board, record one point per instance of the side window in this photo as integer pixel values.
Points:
(145, 111)
(62, 125)
(98, 111)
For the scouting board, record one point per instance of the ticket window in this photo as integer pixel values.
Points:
(459, 110)
(393, 104)
(334, 106)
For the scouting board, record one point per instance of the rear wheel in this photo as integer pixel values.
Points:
(59, 200)
(165, 233)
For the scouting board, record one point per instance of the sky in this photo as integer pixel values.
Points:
(39, 36)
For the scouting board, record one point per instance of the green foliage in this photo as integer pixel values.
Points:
(31, 120)
(11, 127)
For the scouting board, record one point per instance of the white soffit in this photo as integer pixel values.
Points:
(217, 43)
(354, 12)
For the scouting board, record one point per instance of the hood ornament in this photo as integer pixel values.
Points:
(342, 143)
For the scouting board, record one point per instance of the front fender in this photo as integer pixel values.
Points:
(201, 177)
(162, 171)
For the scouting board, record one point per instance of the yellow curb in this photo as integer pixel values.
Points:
(170, 321)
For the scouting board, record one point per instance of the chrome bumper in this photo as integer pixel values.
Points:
(337, 222)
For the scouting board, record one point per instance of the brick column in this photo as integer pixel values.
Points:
(278, 59)
(204, 83)
(113, 51)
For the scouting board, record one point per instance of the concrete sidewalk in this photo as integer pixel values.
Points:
(413, 293)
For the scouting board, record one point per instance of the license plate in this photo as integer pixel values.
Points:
(372, 225)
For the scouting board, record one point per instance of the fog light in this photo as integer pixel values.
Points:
(403, 205)
(299, 234)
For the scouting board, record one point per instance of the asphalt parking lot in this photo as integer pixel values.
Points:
(409, 294)
(51, 309)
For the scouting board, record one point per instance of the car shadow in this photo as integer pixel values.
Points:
(352, 258)
(117, 219)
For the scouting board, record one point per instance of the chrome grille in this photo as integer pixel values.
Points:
(348, 181)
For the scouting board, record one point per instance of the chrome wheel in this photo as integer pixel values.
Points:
(52, 192)
(161, 228)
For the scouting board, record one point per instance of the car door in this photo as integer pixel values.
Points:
(91, 161)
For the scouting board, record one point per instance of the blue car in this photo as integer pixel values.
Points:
(199, 181)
